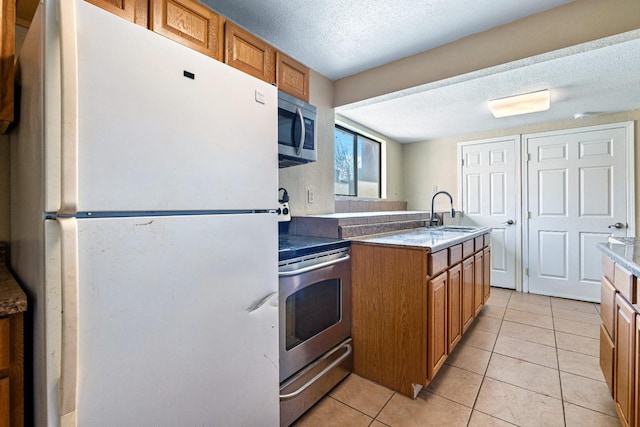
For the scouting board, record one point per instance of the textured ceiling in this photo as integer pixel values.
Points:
(338, 38)
(597, 77)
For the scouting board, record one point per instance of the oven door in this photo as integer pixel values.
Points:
(315, 312)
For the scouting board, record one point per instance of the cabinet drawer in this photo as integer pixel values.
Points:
(487, 239)
(5, 336)
(438, 261)
(625, 283)
(608, 267)
(467, 248)
(455, 254)
(479, 243)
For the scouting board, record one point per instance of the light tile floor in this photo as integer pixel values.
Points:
(528, 360)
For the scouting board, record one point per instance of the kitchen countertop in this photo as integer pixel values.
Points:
(12, 298)
(431, 239)
(626, 253)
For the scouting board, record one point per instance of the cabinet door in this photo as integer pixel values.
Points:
(293, 77)
(486, 273)
(478, 282)
(249, 54)
(624, 342)
(5, 403)
(606, 357)
(131, 10)
(189, 23)
(636, 376)
(7, 51)
(454, 318)
(436, 324)
(467, 293)
(607, 305)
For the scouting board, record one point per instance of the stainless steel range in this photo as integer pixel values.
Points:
(315, 320)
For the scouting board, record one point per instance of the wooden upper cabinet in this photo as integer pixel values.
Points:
(189, 23)
(249, 54)
(293, 77)
(7, 53)
(132, 10)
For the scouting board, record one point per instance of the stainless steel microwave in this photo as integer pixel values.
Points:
(296, 131)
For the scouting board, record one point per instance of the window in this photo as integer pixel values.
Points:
(357, 164)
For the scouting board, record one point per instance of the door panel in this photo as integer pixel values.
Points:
(490, 199)
(576, 189)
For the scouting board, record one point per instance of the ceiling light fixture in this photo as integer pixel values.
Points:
(521, 104)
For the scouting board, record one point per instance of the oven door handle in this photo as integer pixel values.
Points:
(313, 267)
(333, 364)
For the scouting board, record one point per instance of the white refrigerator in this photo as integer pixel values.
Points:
(143, 228)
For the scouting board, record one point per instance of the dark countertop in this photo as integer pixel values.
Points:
(12, 298)
(431, 239)
(626, 254)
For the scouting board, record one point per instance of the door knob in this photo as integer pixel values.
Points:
(509, 222)
(617, 225)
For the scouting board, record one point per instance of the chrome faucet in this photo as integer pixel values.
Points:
(433, 198)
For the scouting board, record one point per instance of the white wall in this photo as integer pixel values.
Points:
(434, 163)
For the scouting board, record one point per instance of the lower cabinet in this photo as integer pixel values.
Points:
(454, 304)
(410, 308)
(467, 293)
(478, 282)
(625, 359)
(636, 374)
(437, 339)
(606, 357)
(486, 273)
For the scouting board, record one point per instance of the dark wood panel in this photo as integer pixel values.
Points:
(7, 53)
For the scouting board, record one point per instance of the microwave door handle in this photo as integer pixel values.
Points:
(302, 133)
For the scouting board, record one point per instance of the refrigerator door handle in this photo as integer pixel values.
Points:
(70, 313)
(69, 107)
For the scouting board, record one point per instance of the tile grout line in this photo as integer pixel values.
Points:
(555, 340)
(484, 375)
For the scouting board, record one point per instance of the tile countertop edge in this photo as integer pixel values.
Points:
(12, 298)
(386, 239)
(622, 254)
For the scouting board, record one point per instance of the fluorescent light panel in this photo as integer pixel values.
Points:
(521, 104)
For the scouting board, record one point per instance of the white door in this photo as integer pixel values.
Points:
(577, 185)
(490, 194)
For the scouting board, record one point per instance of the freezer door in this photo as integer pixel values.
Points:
(162, 127)
(177, 321)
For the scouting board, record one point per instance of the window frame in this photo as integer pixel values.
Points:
(358, 134)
